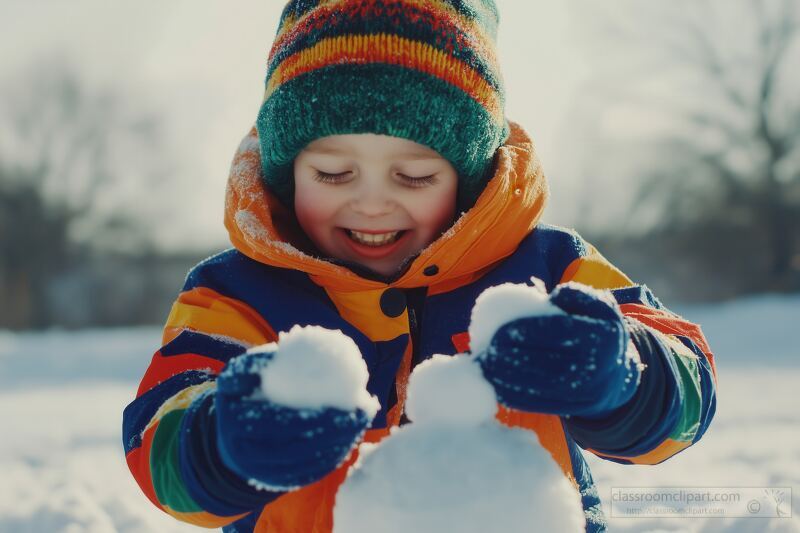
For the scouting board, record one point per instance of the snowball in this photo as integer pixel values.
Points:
(469, 479)
(314, 367)
(450, 390)
(504, 303)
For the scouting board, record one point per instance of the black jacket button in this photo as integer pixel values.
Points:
(393, 302)
(431, 270)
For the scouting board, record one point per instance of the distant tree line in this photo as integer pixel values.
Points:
(75, 165)
(716, 174)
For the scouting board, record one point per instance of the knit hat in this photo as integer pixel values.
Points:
(423, 70)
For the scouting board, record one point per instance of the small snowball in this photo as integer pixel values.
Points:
(314, 367)
(504, 303)
(448, 390)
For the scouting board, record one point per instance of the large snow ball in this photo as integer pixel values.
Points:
(450, 390)
(505, 303)
(314, 367)
(455, 468)
(470, 479)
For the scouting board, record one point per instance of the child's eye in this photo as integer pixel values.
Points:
(420, 182)
(324, 177)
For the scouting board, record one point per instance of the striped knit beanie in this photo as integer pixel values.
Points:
(424, 70)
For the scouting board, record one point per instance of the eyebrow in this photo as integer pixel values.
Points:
(420, 156)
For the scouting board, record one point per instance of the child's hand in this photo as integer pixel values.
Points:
(280, 447)
(572, 364)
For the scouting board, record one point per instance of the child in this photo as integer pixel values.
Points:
(381, 191)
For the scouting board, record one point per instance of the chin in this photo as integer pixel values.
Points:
(382, 268)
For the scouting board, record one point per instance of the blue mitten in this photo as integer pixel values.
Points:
(280, 447)
(570, 364)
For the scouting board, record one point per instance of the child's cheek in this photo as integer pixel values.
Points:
(315, 206)
(434, 212)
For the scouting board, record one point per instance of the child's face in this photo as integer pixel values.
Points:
(374, 184)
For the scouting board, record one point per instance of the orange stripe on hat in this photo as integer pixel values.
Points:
(292, 27)
(392, 49)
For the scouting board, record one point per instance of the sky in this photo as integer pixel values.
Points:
(199, 65)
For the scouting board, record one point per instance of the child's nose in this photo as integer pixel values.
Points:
(372, 201)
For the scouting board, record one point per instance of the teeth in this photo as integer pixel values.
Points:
(373, 240)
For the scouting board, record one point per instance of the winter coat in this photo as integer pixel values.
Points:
(270, 281)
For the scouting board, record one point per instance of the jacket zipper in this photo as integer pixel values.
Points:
(414, 332)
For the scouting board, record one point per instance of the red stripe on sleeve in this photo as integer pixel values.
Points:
(138, 461)
(162, 368)
(671, 325)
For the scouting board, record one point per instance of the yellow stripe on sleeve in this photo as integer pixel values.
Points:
(596, 271)
(209, 312)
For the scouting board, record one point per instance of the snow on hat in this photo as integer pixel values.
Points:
(423, 70)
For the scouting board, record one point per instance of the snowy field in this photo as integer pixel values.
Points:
(62, 395)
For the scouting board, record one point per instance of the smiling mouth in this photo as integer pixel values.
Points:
(374, 239)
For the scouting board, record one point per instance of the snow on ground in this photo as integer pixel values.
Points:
(62, 396)
(754, 439)
(753, 442)
(61, 401)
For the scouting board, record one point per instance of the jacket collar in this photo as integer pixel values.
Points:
(509, 208)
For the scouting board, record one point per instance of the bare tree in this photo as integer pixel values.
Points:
(71, 163)
(724, 172)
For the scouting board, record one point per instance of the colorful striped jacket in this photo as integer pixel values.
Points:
(266, 284)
